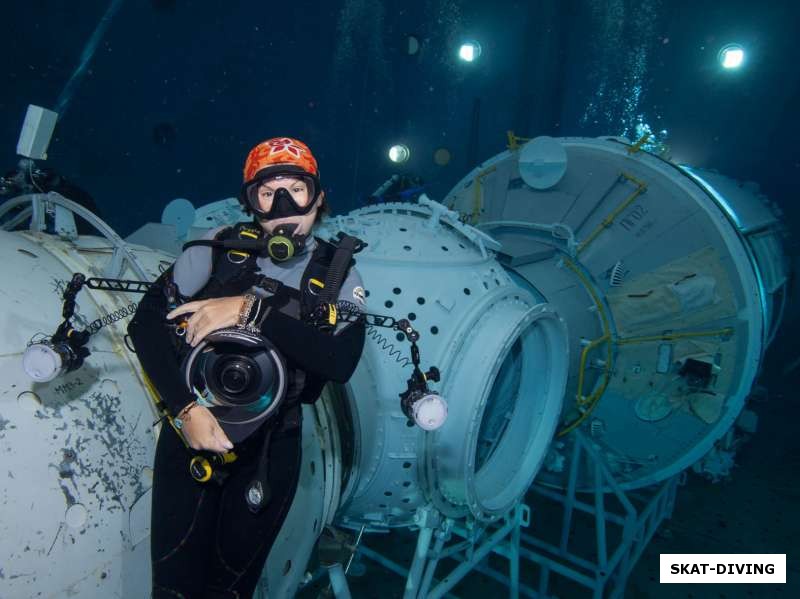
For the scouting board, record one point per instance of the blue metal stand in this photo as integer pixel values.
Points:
(629, 518)
(633, 518)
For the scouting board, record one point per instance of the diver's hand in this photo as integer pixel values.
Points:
(202, 431)
(208, 315)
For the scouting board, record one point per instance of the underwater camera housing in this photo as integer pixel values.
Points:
(240, 376)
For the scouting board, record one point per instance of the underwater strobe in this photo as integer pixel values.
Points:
(420, 405)
(423, 407)
(65, 351)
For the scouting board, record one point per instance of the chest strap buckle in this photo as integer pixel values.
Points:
(268, 284)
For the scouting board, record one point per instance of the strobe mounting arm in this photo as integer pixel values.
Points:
(420, 405)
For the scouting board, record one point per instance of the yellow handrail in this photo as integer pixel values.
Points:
(639, 143)
(641, 187)
(580, 399)
(592, 400)
(513, 144)
(476, 202)
(513, 140)
(672, 336)
(589, 403)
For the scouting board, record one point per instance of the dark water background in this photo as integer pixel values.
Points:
(178, 91)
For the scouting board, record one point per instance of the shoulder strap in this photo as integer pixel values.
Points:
(340, 265)
(312, 281)
(326, 271)
(232, 268)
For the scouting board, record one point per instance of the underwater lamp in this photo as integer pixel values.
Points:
(399, 153)
(427, 410)
(731, 56)
(44, 361)
(469, 51)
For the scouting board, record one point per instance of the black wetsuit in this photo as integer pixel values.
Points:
(205, 542)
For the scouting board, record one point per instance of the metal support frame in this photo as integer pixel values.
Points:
(622, 525)
(338, 582)
(632, 517)
(36, 207)
(477, 540)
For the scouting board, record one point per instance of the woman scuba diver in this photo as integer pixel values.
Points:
(230, 339)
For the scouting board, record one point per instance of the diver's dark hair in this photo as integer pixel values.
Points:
(323, 211)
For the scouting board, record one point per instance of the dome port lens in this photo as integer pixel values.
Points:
(235, 378)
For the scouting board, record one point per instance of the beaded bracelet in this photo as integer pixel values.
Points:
(254, 317)
(244, 311)
(183, 415)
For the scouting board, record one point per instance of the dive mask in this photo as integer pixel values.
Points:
(283, 188)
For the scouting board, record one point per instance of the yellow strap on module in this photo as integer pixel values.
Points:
(317, 282)
(332, 315)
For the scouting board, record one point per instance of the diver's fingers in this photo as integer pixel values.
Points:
(184, 308)
(194, 325)
(210, 442)
(222, 438)
(210, 318)
(200, 324)
(200, 331)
